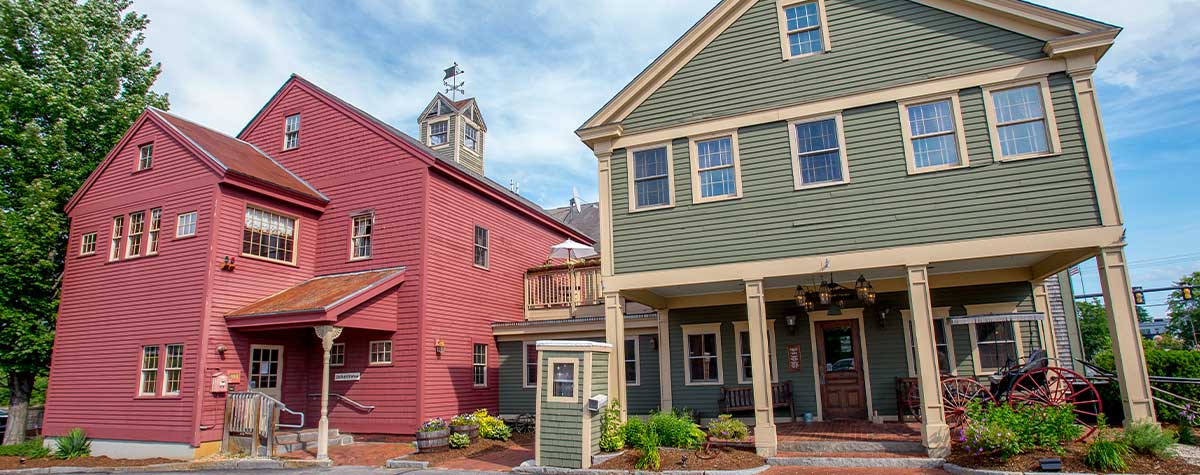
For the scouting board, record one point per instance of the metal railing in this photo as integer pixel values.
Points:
(558, 287)
(255, 415)
(348, 401)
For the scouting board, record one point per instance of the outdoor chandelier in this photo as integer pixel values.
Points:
(830, 293)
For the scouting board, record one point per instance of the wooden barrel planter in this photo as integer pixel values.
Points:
(472, 430)
(434, 441)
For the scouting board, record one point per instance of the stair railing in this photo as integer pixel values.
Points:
(360, 406)
(255, 415)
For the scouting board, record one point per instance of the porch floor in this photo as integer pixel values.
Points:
(848, 431)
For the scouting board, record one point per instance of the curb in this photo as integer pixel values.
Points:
(865, 462)
(402, 462)
(243, 464)
(957, 470)
(588, 471)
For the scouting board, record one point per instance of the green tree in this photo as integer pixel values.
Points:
(1184, 315)
(73, 77)
(1093, 327)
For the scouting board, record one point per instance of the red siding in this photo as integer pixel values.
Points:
(109, 310)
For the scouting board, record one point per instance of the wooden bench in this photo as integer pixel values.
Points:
(741, 398)
(906, 404)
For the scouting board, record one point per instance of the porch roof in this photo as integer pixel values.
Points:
(320, 300)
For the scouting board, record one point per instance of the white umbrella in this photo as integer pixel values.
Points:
(571, 250)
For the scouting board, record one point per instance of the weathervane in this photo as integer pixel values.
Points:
(453, 87)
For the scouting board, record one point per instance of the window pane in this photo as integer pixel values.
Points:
(1023, 138)
(714, 153)
(1017, 104)
(936, 151)
(931, 118)
(802, 16)
(820, 168)
(652, 192)
(805, 42)
(650, 163)
(817, 136)
(719, 182)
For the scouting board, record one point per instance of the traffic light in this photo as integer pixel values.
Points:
(1138, 296)
(1187, 292)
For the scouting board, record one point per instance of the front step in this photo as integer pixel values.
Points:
(302, 435)
(292, 441)
(855, 446)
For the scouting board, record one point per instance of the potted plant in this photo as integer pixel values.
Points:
(433, 436)
(728, 432)
(465, 424)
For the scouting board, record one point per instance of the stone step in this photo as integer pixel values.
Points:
(305, 435)
(312, 445)
(854, 446)
(851, 461)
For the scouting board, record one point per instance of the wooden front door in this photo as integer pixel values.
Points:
(843, 393)
(266, 369)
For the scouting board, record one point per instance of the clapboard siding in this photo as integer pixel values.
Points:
(882, 207)
(515, 398)
(874, 44)
(560, 428)
(644, 397)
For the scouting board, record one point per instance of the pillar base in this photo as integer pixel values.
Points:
(936, 439)
(765, 443)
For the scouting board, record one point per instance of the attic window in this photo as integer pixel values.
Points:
(291, 132)
(802, 28)
(438, 132)
(145, 156)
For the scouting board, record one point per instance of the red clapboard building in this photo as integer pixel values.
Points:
(197, 259)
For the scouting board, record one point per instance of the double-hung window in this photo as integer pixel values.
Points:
(941, 335)
(137, 225)
(148, 380)
(479, 364)
(633, 375)
(145, 156)
(818, 151)
(802, 28)
(118, 230)
(531, 364)
(702, 354)
(996, 343)
(360, 236)
(1022, 120)
(185, 224)
(152, 234)
(438, 132)
(173, 369)
(745, 374)
(87, 244)
(482, 247)
(471, 138)
(337, 354)
(715, 165)
(291, 132)
(933, 134)
(269, 235)
(650, 169)
(380, 352)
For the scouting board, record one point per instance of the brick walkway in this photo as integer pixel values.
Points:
(853, 471)
(496, 460)
(849, 431)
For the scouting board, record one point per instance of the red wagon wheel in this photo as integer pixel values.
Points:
(956, 394)
(1053, 387)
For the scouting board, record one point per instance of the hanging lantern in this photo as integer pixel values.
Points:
(861, 287)
(801, 299)
(825, 295)
(870, 295)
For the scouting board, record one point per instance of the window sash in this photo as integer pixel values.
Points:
(745, 370)
(185, 224)
(715, 167)
(87, 244)
(470, 137)
(148, 374)
(360, 239)
(269, 235)
(933, 134)
(632, 365)
(381, 352)
(802, 29)
(291, 132)
(531, 364)
(337, 354)
(155, 227)
(173, 369)
(703, 362)
(819, 152)
(133, 242)
(438, 132)
(479, 364)
(651, 177)
(997, 346)
(118, 230)
(482, 247)
(145, 156)
(563, 378)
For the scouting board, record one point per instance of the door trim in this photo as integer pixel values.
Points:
(278, 377)
(855, 314)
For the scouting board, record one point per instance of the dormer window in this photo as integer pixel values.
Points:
(291, 132)
(802, 28)
(471, 138)
(438, 132)
(145, 156)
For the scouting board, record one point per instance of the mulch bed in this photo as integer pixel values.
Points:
(477, 447)
(1072, 462)
(673, 459)
(371, 454)
(102, 461)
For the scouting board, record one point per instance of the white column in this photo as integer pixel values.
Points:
(1126, 340)
(664, 361)
(327, 333)
(935, 434)
(760, 370)
(614, 334)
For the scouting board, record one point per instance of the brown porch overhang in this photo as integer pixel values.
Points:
(322, 300)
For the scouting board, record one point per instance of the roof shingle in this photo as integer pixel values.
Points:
(318, 294)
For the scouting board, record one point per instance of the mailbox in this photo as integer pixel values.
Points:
(220, 383)
(598, 402)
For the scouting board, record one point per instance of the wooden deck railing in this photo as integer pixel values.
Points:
(553, 288)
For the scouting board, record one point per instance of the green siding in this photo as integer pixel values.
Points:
(874, 44)
(561, 426)
(516, 399)
(882, 206)
(644, 398)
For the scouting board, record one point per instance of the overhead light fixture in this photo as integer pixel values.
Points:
(862, 287)
(958, 311)
(801, 298)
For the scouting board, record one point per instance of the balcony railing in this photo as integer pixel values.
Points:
(552, 288)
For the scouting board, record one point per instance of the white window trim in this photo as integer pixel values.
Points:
(153, 231)
(487, 247)
(993, 308)
(637, 360)
(525, 364)
(960, 136)
(331, 352)
(700, 329)
(781, 15)
(143, 156)
(371, 351)
(295, 235)
(738, 328)
(795, 150)
(989, 106)
(550, 397)
(166, 352)
(939, 313)
(142, 369)
(371, 235)
(629, 176)
(697, 196)
(474, 365)
(83, 242)
(130, 247)
(117, 238)
(195, 224)
(429, 133)
(465, 122)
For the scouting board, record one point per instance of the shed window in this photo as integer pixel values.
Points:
(145, 156)
(438, 132)
(360, 238)
(482, 249)
(651, 178)
(173, 370)
(479, 364)
(564, 380)
(149, 372)
(269, 235)
(291, 132)
(87, 244)
(137, 225)
(381, 352)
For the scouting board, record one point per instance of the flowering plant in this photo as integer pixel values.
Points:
(433, 425)
(728, 428)
(467, 419)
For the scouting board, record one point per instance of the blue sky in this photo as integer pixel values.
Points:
(539, 68)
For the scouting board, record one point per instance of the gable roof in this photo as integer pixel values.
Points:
(1021, 16)
(455, 170)
(461, 105)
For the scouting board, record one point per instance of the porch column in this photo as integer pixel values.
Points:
(1041, 303)
(327, 333)
(935, 434)
(1126, 340)
(760, 370)
(664, 361)
(614, 334)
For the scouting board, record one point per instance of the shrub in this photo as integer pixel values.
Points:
(1159, 362)
(649, 459)
(728, 428)
(635, 431)
(1107, 453)
(1184, 434)
(463, 420)
(491, 427)
(1148, 438)
(459, 441)
(31, 449)
(73, 445)
(433, 425)
(1007, 431)
(612, 432)
(675, 430)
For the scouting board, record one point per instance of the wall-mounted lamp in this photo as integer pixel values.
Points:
(790, 321)
(654, 342)
(439, 346)
(221, 349)
(883, 316)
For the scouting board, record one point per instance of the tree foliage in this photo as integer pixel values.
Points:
(73, 77)
(1184, 314)
(1093, 326)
